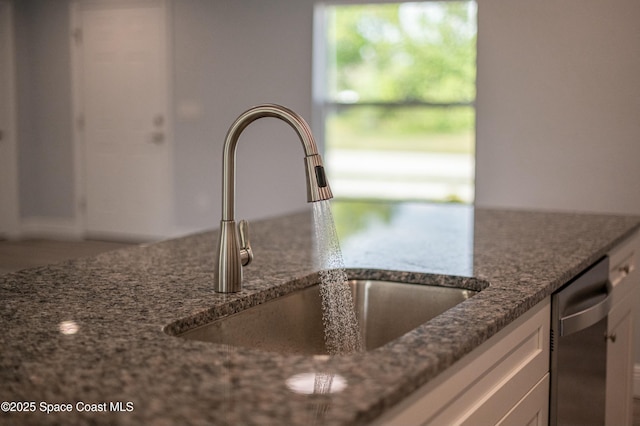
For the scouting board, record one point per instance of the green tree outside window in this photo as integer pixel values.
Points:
(401, 77)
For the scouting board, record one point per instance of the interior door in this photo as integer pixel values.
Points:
(8, 143)
(123, 103)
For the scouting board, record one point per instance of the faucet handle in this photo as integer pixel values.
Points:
(246, 254)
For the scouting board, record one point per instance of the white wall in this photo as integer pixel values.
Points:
(44, 109)
(229, 56)
(558, 112)
(558, 105)
(9, 214)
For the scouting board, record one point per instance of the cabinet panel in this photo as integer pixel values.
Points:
(506, 383)
(623, 259)
(619, 405)
(487, 383)
(533, 409)
(624, 278)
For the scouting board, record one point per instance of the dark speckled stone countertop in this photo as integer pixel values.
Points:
(89, 333)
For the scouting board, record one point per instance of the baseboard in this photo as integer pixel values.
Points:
(182, 231)
(48, 227)
(69, 229)
(636, 380)
(12, 234)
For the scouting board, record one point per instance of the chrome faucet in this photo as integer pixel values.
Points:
(234, 250)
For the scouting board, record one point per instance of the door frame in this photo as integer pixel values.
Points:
(10, 228)
(79, 160)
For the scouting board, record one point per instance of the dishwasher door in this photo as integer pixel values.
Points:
(579, 348)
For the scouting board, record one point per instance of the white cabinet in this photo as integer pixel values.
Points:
(624, 276)
(503, 381)
(533, 409)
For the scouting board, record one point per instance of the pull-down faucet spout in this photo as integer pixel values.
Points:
(233, 250)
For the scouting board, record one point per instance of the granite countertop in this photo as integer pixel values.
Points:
(88, 334)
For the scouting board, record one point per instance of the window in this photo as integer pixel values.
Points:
(394, 95)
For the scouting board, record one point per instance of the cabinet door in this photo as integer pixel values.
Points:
(533, 409)
(625, 280)
(619, 405)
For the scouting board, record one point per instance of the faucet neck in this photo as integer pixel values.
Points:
(316, 184)
(233, 252)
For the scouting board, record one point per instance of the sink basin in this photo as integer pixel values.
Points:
(292, 324)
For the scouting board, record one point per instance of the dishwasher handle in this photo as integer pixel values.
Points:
(585, 318)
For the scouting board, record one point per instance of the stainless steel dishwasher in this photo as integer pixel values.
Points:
(579, 312)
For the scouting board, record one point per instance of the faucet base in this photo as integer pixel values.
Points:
(228, 274)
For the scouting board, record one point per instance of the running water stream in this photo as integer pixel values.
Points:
(341, 329)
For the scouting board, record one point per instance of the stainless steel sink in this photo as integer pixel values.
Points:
(292, 324)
